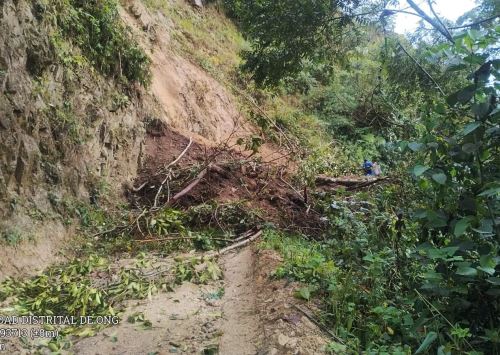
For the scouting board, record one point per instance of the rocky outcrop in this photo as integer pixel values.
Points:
(64, 132)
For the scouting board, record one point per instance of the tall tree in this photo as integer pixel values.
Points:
(283, 33)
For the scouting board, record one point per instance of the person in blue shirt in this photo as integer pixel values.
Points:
(367, 167)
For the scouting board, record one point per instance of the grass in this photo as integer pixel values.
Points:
(12, 237)
(207, 37)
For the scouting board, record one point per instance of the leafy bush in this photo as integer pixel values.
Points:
(95, 27)
(456, 174)
(277, 26)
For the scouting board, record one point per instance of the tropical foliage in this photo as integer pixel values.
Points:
(414, 266)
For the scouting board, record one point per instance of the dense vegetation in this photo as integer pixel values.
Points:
(412, 266)
(95, 28)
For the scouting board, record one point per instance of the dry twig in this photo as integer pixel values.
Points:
(167, 171)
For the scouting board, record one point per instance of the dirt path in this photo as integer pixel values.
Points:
(241, 319)
(193, 319)
(181, 322)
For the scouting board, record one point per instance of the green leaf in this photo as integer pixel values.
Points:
(415, 146)
(487, 270)
(85, 332)
(456, 67)
(436, 219)
(450, 251)
(494, 280)
(474, 59)
(114, 338)
(213, 350)
(466, 271)
(429, 339)
(485, 226)
(490, 192)
(147, 325)
(471, 127)
(481, 109)
(463, 96)
(304, 293)
(433, 276)
(488, 261)
(440, 178)
(443, 351)
(488, 264)
(494, 115)
(336, 348)
(474, 34)
(419, 170)
(442, 253)
(461, 226)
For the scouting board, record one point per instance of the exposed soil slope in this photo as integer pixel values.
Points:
(63, 134)
(192, 100)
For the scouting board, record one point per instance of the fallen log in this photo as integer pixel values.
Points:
(229, 248)
(348, 182)
(177, 239)
(212, 254)
(367, 183)
(240, 244)
(326, 180)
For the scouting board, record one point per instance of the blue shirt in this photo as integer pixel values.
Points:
(367, 166)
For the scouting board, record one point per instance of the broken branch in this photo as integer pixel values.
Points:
(168, 175)
(318, 324)
(422, 69)
(240, 244)
(188, 188)
(178, 238)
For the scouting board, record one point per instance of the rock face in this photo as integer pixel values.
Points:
(69, 136)
(64, 132)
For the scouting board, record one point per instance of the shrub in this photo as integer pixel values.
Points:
(95, 27)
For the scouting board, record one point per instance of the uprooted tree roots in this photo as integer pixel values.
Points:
(220, 177)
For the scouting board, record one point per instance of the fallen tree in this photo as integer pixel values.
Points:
(349, 183)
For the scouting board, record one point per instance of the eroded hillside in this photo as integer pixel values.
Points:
(70, 134)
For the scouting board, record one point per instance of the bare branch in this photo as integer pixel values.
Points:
(437, 18)
(166, 169)
(191, 185)
(422, 69)
(427, 18)
(476, 23)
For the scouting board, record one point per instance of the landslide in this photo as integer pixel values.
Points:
(78, 144)
(72, 135)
